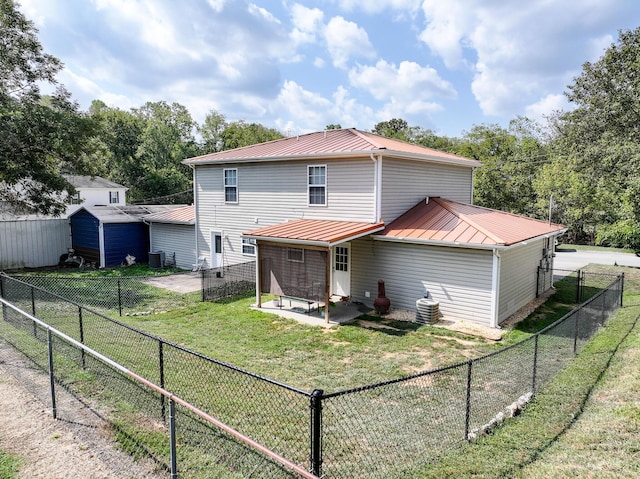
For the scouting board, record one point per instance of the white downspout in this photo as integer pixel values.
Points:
(495, 289)
(377, 187)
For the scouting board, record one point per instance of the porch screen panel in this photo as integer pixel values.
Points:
(293, 271)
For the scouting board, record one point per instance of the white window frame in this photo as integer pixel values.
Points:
(75, 199)
(248, 243)
(293, 259)
(316, 185)
(114, 195)
(230, 186)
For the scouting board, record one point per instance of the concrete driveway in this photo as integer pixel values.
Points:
(568, 259)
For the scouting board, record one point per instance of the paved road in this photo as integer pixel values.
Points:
(573, 260)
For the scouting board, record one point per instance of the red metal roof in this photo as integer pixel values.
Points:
(342, 143)
(183, 215)
(439, 220)
(315, 232)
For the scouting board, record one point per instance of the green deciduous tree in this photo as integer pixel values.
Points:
(238, 134)
(42, 137)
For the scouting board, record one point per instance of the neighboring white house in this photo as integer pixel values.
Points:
(95, 191)
(330, 213)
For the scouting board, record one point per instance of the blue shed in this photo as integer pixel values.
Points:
(107, 234)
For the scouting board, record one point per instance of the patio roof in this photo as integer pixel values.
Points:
(312, 232)
(439, 221)
(183, 215)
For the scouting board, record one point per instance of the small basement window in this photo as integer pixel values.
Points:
(249, 246)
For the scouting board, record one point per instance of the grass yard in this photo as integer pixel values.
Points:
(585, 423)
(8, 466)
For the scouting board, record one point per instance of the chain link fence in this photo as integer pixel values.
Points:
(118, 296)
(227, 281)
(378, 431)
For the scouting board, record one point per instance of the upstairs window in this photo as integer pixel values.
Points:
(317, 185)
(230, 185)
(75, 199)
(114, 197)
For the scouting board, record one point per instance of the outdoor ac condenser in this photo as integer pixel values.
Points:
(427, 311)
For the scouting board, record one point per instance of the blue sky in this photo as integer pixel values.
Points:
(445, 65)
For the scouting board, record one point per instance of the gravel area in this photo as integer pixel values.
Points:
(78, 445)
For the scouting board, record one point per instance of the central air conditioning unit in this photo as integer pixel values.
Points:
(427, 311)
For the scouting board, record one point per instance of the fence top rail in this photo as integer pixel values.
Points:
(203, 415)
(166, 342)
(480, 358)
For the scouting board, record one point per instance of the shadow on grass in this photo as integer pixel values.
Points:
(387, 326)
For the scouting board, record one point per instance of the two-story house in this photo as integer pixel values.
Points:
(95, 191)
(330, 213)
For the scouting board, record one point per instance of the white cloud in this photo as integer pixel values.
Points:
(518, 54)
(318, 62)
(307, 23)
(345, 40)
(546, 105)
(216, 5)
(261, 12)
(377, 6)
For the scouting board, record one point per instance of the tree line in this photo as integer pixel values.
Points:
(580, 168)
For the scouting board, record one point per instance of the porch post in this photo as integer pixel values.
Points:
(327, 282)
(258, 275)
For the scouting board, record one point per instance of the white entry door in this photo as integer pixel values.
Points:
(216, 249)
(341, 281)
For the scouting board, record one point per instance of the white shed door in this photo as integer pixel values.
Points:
(341, 281)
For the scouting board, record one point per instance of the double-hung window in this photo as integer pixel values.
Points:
(114, 197)
(249, 246)
(230, 185)
(317, 185)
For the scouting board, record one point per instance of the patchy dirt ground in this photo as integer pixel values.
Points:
(76, 446)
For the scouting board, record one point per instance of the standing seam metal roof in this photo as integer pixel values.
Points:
(345, 142)
(438, 220)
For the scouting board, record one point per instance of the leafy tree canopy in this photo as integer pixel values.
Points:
(42, 137)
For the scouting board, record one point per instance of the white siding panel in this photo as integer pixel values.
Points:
(271, 193)
(518, 277)
(178, 239)
(33, 243)
(405, 183)
(460, 279)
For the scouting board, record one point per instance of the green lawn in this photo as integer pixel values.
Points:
(585, 423)
(9, 466)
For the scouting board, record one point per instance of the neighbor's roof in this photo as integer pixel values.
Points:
(80, 181)
(344, 143)
(124, 214)
(185, 215)
(315, 232)
(436, 220)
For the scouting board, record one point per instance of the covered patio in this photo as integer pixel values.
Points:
(307, 261)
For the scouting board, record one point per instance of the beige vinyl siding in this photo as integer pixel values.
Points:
(460, 279)
(518, 276)
(178, 239)
(271, 193)
(405, 183)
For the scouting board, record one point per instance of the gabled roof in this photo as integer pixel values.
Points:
(314, 232)
(81, 181)
(345, 143)
(439, 221)
(185, 215)
(124, 214)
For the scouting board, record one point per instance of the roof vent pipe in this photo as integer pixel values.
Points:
(426, 200)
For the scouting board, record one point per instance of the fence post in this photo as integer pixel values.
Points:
(538, 282)
(578, 287)
(81, 326)
(4, 308)
(535, 364)
(621, 281)
(161, 367)
(51, 377)
(33, 301)
(119, 299)
(316, 432)
(575, 330)
(172, 438)
(467, 419)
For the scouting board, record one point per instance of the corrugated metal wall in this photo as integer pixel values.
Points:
(178, 239)
(33, 243)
